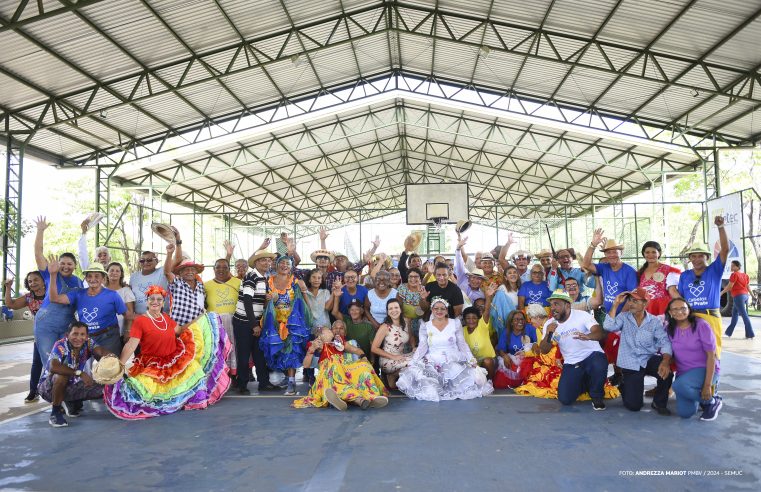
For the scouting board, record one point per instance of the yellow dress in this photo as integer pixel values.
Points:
(480, 341)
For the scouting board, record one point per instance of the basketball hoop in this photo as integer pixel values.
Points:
(438, 222)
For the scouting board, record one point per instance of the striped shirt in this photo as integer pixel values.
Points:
(254, 287)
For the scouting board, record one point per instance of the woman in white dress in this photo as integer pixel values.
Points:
(443, 367)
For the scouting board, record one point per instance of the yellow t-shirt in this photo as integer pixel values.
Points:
(222, 298)
(480, 341)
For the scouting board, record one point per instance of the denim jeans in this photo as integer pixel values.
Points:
(740, 309)
(50, 325)
(587, 375)
(687, 387)
(110, 340)
(34, 375)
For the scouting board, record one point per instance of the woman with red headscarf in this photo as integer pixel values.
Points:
(178, 366)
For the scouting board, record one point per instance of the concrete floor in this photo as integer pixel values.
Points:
(502, 442)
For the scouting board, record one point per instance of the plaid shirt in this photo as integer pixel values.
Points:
(638, 343)
(187, 304)
(336, 275)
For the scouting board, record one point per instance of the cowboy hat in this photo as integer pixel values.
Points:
(487, 257)
(94, 218)
(322, 252)
(544, 253)
(462, 226)
(412, 241)
(95, 267)
(108, 370)
(164, 231)
(698, 248)
(189, 263)
(477, 272)
(571, 251)
(611, 244)
(521, 254)
(338, 255)
(561, 295)
(262, 253)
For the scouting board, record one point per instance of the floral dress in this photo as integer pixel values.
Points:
(350, 380)
(394, 343)
(411, 306)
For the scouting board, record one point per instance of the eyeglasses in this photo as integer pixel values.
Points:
(148, 260)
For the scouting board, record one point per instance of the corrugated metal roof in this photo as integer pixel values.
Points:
(497, 46)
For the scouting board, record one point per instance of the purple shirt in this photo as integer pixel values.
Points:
(690, 348)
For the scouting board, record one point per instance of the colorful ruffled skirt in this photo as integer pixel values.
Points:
(194, 376)
(349, 380)
(287, 353)
(542, 380)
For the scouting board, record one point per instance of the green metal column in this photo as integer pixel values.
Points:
(12, 232)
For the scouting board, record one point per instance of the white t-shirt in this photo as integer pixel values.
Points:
(573, 350)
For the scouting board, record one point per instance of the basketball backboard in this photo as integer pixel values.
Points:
(446, 201)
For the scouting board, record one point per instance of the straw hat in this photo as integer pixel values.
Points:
(322, 252)
(412, 241)
(698, 248)
(611, 244)
(164, 231)
(108, 370)
(262, 253)
(560, 294)
(94, 218)
(487, 257)
(188, 263)
(462, 226)
(95, 267)
(477, 272)
(338, 255)
(544, 253)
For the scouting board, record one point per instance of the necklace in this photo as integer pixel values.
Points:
(163, 321)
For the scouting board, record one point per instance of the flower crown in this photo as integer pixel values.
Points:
(155, 289)
(440, 300)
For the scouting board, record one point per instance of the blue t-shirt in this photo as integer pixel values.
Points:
(64, 284)
(511, 343)
(703, 292)
(535, 293)
(613, 283)
(98, 311)
(346, 298)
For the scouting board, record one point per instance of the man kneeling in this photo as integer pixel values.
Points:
(585, 367)
(68, 374)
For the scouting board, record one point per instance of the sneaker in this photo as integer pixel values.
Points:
(711, 410)
(661, 410)
(244, 391)
(73, 408)
(334, 400)
(57, 419)
(32, 397)
(268, 387)
(378, 402)
(598, 405)
(615, 379)
(290, 390)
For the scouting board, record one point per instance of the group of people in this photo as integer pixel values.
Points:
(437, 330)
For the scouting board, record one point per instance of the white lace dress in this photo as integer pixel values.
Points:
(441, 367)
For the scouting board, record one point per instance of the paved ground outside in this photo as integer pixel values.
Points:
(502, 442)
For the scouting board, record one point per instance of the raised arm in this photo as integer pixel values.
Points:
(84, 255)
(505, 249)
(323, 236)
(459, 262)
(169, 262)
(586, 262)
(491, 291)
(723, 239)
(370, 252)
(54, 295)
(336, 312)
(229, 250)
(39, 256)
(16, 303)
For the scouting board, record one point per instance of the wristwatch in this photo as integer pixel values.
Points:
(78, 372)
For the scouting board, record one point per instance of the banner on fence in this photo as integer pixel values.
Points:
(729, 207)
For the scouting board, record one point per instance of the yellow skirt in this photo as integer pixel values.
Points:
(351, 381)
(715, 324)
